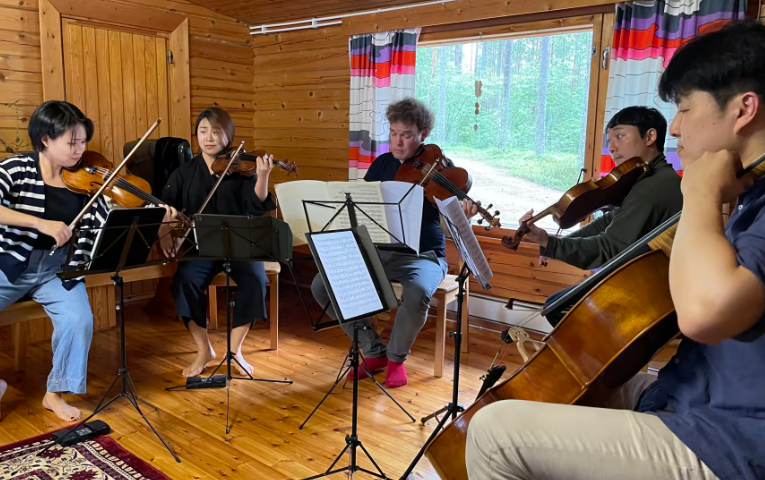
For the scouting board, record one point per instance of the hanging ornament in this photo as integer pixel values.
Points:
(478, 86)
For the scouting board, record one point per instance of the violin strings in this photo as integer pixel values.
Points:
(129, 187)
(448, 185)
(252, 158)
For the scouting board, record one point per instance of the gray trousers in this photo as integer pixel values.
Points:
(419, 278)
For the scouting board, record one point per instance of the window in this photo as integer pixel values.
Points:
(524, 143)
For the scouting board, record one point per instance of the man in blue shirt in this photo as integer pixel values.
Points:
(704, 416)
(410, 123)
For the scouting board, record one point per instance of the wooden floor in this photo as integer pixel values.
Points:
(265, 442)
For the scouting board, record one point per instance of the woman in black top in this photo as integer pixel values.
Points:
(187, 189)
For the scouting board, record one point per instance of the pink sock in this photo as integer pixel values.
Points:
(396, 375)
(374, 365)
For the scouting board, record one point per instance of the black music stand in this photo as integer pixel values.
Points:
(452, 408)
(116, 250)
(230, 238)
(380, 298)
(371, 255)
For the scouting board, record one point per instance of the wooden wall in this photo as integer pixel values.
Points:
(302, 84)
(221, 70)
(221, 63)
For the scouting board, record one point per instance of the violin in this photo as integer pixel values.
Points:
(584, 198)
(126, 191)
(429, 169)
(107, 183)
(247, 163)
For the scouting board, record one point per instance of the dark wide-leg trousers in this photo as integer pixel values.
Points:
(192, 279)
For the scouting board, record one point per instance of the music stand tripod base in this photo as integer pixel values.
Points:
(215, 381)
(128, 387)
(352, 441)
(452, 408)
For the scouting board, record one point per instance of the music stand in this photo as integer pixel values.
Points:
(115, 249)
(373, 259)
(469, 267)
(230, 238)
(357, 286)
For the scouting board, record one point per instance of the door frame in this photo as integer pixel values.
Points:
(52, 51)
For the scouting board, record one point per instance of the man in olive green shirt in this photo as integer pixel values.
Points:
(654, 198)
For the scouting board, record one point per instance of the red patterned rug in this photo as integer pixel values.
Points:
(99, 459)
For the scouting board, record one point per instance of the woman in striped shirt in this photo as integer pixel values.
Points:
(34, 216)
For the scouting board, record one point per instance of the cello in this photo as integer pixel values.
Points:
(628, 304)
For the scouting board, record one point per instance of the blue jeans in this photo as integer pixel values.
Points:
(68, 309)
(419, 278)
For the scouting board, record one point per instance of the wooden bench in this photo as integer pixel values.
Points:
(101, 293)
(272, 272)
(445, 294)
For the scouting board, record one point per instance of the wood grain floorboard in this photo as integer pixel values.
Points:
(265, 441)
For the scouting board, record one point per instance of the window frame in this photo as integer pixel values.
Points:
(599, 20)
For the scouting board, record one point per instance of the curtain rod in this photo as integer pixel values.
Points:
(316, 22)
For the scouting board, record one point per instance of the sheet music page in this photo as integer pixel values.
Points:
(347, 274)
(291, 196)
(472, 253)
(411, 211)
(361, 192)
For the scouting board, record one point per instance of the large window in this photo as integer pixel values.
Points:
(524, 144)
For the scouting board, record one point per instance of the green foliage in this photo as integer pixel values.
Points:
(507, 123)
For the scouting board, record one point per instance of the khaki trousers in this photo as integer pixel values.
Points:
(516, 439)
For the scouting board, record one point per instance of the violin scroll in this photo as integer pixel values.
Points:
(491, 219)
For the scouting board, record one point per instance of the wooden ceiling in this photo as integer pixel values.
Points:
(259, 12)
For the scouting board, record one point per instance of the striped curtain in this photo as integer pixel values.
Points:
(382, 71)
(646, 34)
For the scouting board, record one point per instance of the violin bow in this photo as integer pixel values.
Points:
(215, 187)
(111, 177)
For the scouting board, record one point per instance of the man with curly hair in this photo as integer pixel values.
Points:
(410, 124)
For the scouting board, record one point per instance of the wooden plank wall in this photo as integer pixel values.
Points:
(302, 84)
(221, 69)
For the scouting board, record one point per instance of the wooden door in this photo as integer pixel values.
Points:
(119, 79)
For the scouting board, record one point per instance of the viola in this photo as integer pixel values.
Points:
(584, 198)
(125, 190)
(429, 169)
(247, 163)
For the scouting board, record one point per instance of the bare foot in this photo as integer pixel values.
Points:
(3, 388)
(244, 363)
(204, 356)
(56, 404)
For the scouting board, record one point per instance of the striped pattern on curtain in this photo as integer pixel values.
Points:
(646, 35)
(382, 71)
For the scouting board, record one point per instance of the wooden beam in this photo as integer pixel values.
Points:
(119, 13)
(180, 96)
(51, 50)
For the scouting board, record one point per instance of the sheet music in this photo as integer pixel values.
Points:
(291, 194)
(347, 274)
(465, 240)
(411, 211)
(361, 192)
